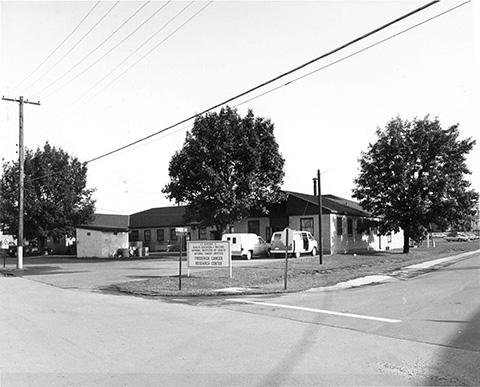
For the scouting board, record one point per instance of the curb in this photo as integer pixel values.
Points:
(392, 277)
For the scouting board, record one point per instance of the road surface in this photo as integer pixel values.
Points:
(420, 331)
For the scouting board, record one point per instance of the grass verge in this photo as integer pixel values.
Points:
(303, 273)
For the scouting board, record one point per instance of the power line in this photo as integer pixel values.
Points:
(109, 51)
(137, 49)
(327, 66)
(75, 45)
(152, 49)
(96, 48)
(276, 88)
(352, 54)
(269, 81)
(60, 45)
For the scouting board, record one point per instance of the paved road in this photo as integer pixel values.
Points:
(420, 331)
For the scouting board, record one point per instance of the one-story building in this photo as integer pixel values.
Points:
(346, 227)
(104, 237)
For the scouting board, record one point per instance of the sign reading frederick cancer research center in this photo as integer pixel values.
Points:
(209, 254)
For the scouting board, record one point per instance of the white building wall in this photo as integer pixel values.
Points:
(99, 244)
(387, 242)
(365, 241)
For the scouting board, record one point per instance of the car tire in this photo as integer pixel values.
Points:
(249, 255)
(314, 251)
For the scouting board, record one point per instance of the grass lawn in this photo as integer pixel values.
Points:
(303, 273)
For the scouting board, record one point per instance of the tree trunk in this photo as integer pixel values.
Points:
(220, 230)
(42, 244)
(406, 242)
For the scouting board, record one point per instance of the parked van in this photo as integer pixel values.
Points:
(302, 242)
(247, 245)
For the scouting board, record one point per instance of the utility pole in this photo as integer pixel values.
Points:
(21, 160)
(320, 241)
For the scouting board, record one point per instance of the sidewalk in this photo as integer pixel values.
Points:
(405, 273)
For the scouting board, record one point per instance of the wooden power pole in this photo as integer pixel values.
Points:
(21, 160)
(320, 239)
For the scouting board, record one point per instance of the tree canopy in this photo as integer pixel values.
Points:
(56, 198)
(228, 166)
(413, 176)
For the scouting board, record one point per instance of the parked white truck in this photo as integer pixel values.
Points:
(299, 242)
(247, 245)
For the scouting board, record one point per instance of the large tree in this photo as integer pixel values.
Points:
(56, 197)
(413, 176)
(228, 166)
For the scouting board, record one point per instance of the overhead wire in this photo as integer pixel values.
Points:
(323, 67)
(60, 45)
(75, 45)
(85, 93)
(352, 54)
(152, 49)
(274, 89)
(276, 78)
(94, 49)
(112, 49)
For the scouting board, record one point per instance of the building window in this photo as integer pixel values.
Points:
(359, 226)
(349, 226)
(254, 227)
(147, 236)
(202, 233)
(160, 235)
(306, 224)
(389, 238)
(173, 235)
(339, 225)
(135, 235)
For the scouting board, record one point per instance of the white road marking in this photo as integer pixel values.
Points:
(361, 316)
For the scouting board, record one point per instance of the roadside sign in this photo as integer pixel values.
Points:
(209, 254)
(5, 243)
(181, 230)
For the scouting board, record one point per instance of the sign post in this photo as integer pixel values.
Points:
(180, 231)
(288, 241)
(180, 265)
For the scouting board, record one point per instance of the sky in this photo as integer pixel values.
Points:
(132, 68)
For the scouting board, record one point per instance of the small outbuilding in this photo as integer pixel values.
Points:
(104, 237)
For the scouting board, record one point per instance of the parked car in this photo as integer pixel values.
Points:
(439, 234)
(456, 237)
(28, 250)
(471, 235)
(302, 242)
(247, 245)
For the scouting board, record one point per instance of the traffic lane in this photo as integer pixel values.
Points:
(50, 335)
(431, 308)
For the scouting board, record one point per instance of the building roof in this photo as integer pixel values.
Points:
(108, 222)
(159, 217)
(175, 216)
(334, 204)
